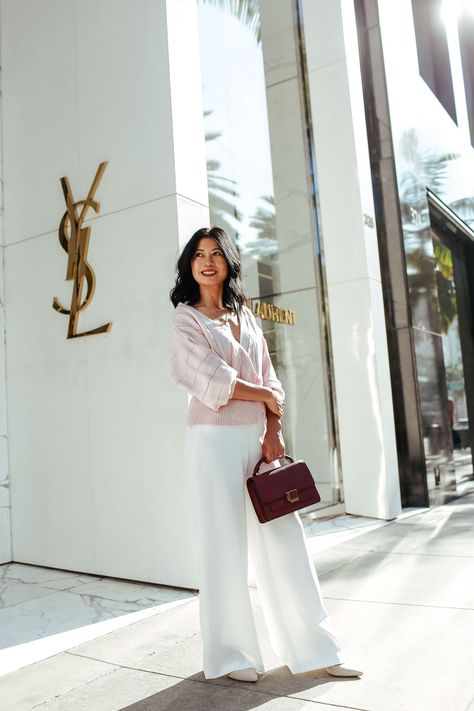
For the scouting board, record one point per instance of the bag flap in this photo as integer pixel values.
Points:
(274, 484)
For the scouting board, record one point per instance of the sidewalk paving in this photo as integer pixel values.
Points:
(401, 600)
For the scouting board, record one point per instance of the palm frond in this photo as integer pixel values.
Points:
(246, 11)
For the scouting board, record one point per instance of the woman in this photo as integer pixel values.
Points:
(220, 356)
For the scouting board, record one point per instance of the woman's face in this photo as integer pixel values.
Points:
(209, 266)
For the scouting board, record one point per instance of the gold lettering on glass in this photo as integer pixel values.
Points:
(270, 312)
(74, 239)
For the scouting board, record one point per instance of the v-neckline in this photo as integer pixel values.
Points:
(216, 320)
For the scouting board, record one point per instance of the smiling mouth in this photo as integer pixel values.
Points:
(209, 272)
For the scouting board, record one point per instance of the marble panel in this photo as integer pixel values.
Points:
(189, 153)
(131, 462)
(191, 216)
(4, 482)
(39, 115)
(149, 635)
(297, 248)
(88, 89)
(324, 40)
(367, 437)
(349, 240)
(278, 40)
(47, 413)
(52, 612)
(286, 128)
(3, 395)
(46, 611)
(5, 534)
(38, 575)
(96, 510)
(124, 112)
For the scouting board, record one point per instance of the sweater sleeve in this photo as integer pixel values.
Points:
(269, 376)
(195, 367)
(270, 379)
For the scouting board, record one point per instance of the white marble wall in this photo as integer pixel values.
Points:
(5, 512)
(94, 422)
(357, 322)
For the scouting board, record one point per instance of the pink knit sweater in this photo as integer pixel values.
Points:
(206, 359)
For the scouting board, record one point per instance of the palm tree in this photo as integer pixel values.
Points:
(263, 221)
(429, 263)
(246, 11)
(222, 192)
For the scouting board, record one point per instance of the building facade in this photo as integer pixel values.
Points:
(342, 169)
(419, 114)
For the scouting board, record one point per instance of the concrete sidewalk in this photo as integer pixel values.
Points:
(401, 599)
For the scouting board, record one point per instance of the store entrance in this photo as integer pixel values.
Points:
(453, 244)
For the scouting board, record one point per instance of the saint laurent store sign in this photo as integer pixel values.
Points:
(270, 312)
(74, 239)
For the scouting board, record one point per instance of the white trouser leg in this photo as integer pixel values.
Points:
(220, 460)
(296, 618)
(217, 459)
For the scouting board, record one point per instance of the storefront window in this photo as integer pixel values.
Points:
(455, 311)
(258, 192)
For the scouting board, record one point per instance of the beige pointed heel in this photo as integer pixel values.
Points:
(249, 674)
(340, 670)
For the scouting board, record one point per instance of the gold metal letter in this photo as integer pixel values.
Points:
(74, 239)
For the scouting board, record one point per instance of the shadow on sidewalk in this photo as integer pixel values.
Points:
(196, 692)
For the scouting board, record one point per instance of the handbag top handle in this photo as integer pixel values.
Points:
(263, 459)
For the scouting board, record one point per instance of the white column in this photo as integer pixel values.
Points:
(96, 426)
(5, 511)
(357, 321)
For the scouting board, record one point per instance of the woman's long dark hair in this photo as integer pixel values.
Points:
(186, 288)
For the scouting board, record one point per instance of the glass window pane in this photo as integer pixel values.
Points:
(258, 180)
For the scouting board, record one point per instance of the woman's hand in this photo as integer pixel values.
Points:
(274, 403)
(273, 446)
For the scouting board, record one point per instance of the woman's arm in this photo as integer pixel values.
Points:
(273, 422)
(273, 446)
(244, 390)
(249, 391)
(196, 368)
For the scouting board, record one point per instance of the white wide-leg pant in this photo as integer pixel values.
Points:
(219, 458)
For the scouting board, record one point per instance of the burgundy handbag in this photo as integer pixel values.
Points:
(282, 489)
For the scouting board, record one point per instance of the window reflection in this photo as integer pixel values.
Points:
(257, 179)
(454, 364)
(466, 43)
(434, 309)
(433, 53)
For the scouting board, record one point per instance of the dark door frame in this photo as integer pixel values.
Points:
(458, 236)
(398, 317)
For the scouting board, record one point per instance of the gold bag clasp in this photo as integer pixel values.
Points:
(292, 495)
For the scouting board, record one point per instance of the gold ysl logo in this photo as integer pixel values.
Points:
(74, 239)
